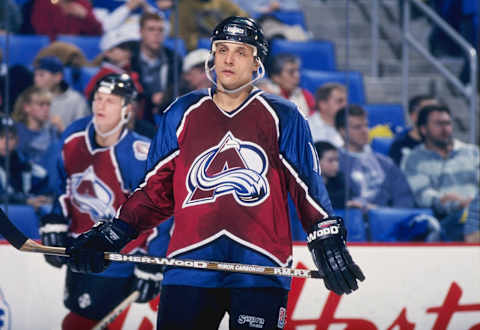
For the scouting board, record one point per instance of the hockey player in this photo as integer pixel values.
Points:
(101, 162)
(223, 163)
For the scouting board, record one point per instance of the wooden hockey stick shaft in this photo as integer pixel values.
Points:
(110, 317)
(15, 237)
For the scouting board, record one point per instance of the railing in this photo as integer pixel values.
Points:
(409, 40)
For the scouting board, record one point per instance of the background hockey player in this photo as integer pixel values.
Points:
(223, 163)
(101, 162)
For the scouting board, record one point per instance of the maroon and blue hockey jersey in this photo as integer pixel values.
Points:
(226, 178)
(94, 181)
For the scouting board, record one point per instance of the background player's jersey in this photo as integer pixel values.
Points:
(230, 174)
(94, 181)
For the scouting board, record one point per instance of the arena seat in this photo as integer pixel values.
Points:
(312, 79)
(314, 54)
(24, 218)
(289, 17)
(23, 48)
(389, 114)
(90, 45)
(353, 222)
(78, 78)
(170, 44)
(203, 43)
(381, 144)
(356, 230)
(382, 221)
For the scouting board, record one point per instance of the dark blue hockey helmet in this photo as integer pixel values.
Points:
(118, 84)
(241, 29)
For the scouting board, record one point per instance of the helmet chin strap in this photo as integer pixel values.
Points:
(260, 75)
(125, 117)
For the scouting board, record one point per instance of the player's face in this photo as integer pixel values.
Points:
(336, 101)
(153, 34)
(439, 129)
(358, 132)
(329, 163)
(234, 64)
(107, 109)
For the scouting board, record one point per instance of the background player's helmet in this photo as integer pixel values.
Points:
(121, 85)
(118, 84)
(241, 29)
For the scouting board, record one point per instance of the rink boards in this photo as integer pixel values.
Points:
(407, 287)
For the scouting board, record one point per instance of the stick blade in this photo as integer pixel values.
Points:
(11, 233)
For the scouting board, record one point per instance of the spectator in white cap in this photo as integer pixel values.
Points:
(193, 71)
(117, 47)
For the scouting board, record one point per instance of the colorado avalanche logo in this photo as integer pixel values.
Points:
(91, 195)
(232, 167)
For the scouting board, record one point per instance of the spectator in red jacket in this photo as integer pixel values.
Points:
(285, 73)
(64, 17)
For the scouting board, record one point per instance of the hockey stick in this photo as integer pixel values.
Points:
(15, 237)
(110, 317)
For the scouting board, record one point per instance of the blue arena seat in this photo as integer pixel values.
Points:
(290, 17)
(90, 45)
(386, 114)
(353, 222)
(314, 54)
(78, 78)
(24, 218)
(203, 43)
(382, 221)
(312, 79)
(381, 144)
(356, 229)
(181, 47)
(23, 48)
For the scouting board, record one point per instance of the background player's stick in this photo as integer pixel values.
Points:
(117, 311)
(13, 235)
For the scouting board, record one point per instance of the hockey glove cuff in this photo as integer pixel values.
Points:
(147, 281)
(326, 242)
(54, 232)
(87, 250)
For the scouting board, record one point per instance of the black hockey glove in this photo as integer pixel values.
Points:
(87, 250)
(54, 232)
(326, 242)
(147, 281)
